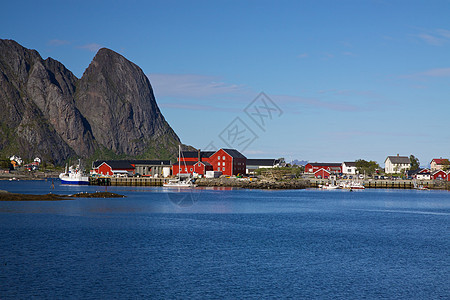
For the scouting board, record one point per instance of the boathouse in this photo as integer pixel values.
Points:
(228, 161)
(334, 168)
(322, 174)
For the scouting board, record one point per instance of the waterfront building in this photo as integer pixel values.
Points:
(439, 164)
(228, 161)
(396, 164)
(322, 174)
(349, 168)
(334, 168)
(264, 163)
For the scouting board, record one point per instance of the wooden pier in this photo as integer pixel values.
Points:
(381, 184)
(127, 181)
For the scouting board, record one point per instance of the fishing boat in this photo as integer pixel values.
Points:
(181, 180)
(73, 175)
(353, 185)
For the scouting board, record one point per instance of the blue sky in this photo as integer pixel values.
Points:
(351, 79)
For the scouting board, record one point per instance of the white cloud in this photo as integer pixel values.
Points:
(435, 37)
(93, 47)
(437, 72)
(191, 85)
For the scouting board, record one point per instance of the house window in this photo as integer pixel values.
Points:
(223, 169)
(223, 164)
(219, 157)
(218, 163)
(218, 168)
(185, 169)
(191, 169)
(223, 157)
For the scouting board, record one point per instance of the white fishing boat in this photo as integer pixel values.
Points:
(330, 187)
(181, 180)
(74, 175)
(352, 185)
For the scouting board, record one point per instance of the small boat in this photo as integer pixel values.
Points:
(179, 183)
(329, 187)
(182, 180)
(353, 185)
(74, 175)
(422, 188)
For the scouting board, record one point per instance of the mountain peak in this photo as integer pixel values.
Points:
(53, 114)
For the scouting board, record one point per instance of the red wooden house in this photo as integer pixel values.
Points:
(322, 173)
(439, 175)
(333, 168)
(110, 168)
(228, 161)
(190, 167)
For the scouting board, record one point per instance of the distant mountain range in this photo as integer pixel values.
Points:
(110, 112)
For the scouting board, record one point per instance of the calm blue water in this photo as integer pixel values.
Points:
(226, 244)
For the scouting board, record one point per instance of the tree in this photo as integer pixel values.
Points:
(367, 167)
(415, 164)
(445, 164)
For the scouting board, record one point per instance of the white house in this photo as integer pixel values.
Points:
(396, 164)
(439, 164)
(349, 168)
(254, 164)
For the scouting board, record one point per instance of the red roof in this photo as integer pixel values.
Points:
(440, 161)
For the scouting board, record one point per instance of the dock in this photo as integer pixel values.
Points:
(126, 181)
(381, 184)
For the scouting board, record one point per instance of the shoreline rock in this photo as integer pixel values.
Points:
(252, 184)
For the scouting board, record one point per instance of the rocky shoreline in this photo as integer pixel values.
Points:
(250, 183)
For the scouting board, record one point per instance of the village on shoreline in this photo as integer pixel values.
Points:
(230, 168)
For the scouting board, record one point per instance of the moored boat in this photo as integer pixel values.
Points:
(74, 176)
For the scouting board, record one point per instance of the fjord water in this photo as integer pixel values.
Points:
(166, 244)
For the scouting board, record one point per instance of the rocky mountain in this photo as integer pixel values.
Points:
(48, 112)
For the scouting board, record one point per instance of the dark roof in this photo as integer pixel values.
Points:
(399, 159)
(123, 164)
(350, 163)
(150, 162)
(326, 164)
(194, 154)
(114, 164)
(234, 153)
(262, 162)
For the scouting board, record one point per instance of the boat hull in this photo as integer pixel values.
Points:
(75, 181)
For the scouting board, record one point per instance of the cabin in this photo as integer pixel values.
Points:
(191, 167)
(322, 174)
(112, 168)
(349, 168)
(439, 164)
(334, 168)
(228, 161)
(439, 175)
(397, 164)
(423, 174)
(151, 168)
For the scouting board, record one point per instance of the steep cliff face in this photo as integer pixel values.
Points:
(117, 99)
(24, 127)
(48, 112)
